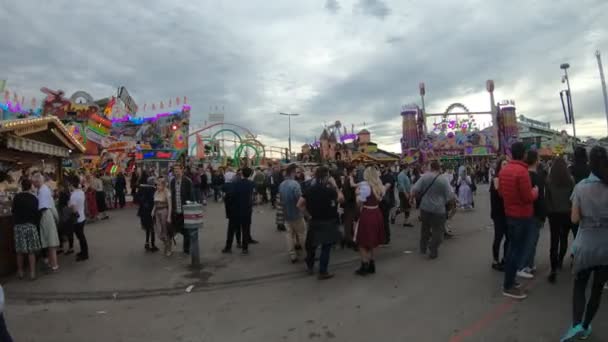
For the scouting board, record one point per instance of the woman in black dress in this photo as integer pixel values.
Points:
(497, 212)
(26, 218)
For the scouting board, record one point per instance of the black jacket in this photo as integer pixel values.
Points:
(25, 209)
(145, 198)
(121, 184)
(186, 193)
(540, 206)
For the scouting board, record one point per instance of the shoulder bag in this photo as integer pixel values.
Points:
(421, 195)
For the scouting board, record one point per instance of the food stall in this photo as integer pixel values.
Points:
(28, 144)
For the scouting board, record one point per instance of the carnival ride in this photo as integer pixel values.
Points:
(213, 135)
(454, 136)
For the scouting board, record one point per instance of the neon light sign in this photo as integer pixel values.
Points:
(157, 155)
(141, 120)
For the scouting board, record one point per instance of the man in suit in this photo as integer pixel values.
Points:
(181, 192)
(243, 205)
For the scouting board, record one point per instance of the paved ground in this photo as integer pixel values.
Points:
(262, 297)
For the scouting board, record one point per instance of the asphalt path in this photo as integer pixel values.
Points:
(124, 294)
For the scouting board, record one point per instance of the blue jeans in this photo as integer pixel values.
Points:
(532, 236)
(4, 335)
(323, 259)
(518, 230)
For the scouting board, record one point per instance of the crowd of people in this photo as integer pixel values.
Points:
(351, 205)
(45, 220)
(574, 199)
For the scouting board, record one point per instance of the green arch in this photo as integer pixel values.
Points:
(239, 150)
(226, 130)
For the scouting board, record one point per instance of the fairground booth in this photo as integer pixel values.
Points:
(27, 145)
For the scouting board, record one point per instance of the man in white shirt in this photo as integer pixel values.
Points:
(77, 200)
(49, 237)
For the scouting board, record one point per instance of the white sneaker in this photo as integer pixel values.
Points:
(525, 275)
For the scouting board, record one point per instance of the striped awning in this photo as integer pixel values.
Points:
(33, 146)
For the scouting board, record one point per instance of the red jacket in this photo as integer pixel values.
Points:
(515, 187)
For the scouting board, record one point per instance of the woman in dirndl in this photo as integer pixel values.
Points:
(162, 215)
(90, 198)
(26, 217)
(370, 231)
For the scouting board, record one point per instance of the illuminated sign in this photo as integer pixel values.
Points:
(157, 155)
(141, 120)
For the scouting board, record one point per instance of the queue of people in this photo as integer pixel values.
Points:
(41, 229)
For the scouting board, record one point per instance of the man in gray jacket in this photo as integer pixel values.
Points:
(434, 193)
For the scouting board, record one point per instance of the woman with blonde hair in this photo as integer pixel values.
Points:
(162, 214)
(370, 231)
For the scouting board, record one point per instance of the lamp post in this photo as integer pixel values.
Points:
(602, 79)
(565, 67)
(289, 115)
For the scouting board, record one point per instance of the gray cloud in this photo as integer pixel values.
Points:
(333, 6)
(374, 8)
(258, 58)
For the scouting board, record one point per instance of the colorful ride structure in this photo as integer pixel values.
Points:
(335, 145)
(211, 145)
(456, 134)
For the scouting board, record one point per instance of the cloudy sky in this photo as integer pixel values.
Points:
(357, 61)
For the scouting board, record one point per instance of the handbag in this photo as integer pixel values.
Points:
(421, 195)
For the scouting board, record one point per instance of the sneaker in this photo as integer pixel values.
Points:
(586, 334)
(574, 333)
(245, 252)
(552, 277)
(226, 251)
(293, 259)
(325, 276)
(82, 257)
(514, 293)
(525, 275)
(498, 266)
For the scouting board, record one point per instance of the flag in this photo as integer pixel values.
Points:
(2, 85)
(162, 106)
(33, 102)
(22, 100)
(200, 147)
(170, 103)
(7, 95)
(15, 98)
(177, 101)
(153, 106)
(185, 100)
(145, 105)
